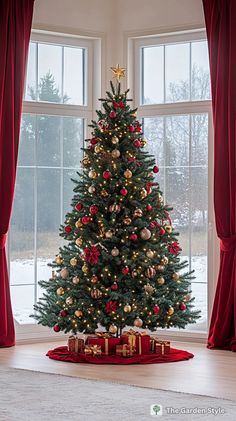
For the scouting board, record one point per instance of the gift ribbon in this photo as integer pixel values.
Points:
(132, 335)
(93, 349)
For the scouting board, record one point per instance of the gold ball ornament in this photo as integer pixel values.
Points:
(113, 329)
(128, 174)
(143, 193)
(108, 234)
(115, 252)
(96, 293)
(73, 261)
(175, 276)
(160, 268)
(60, 291)
(170, 311)
(115, 153)
(138, 213)
(150, 254)
(115, 208)
(188, 297)
(85, 268)
(115, 140)
(94, 279)
(76, 280)
(164, 260)
(127, 308)
(145, 234)
(64, 273)
(78, 313)
(98, 149)
(59, 260)
(91, 189)
(78, 223)
(138, 322)
(160, 280)
(134, 273)
(127, 220)
(69, 301)
(168, 229)
(79, 241)
(92, 174)
(85, 162)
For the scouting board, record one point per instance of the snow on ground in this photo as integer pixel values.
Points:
(23, 296)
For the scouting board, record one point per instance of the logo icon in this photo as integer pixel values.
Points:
(156, 410)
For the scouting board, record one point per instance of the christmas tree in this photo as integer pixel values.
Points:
(121, 265)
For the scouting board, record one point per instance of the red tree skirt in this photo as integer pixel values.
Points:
(62, 354)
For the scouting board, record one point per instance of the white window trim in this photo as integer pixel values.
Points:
(133, 44)
(32, 332)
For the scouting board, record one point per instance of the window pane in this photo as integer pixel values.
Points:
(73, 76)
(199, 141)
(22, 229)
(49, 218)
(31, 83)
(199, 291)
(200, 76)
(177, 62)
(177, 140)
(27, 140)
(153, 75)
(73, 134)
(50, 72)
(22, 298)
(154, 132)
(68, 187)
(48, 141)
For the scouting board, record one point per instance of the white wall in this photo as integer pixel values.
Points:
(116, 19)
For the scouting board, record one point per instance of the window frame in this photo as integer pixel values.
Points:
(134, 59)
(32, 331)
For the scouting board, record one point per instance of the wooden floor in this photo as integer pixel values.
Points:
(210, 372)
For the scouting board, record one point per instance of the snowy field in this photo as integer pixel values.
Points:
(24, 293)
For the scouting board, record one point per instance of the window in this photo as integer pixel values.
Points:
(57, 105)
(172, 91)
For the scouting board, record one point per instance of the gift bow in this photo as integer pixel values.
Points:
(134, 332)
(132, 335)
(93, 349)
(103, 335)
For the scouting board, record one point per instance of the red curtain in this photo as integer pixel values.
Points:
(15, 26)
(220, 17)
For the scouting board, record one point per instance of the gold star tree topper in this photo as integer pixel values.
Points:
(118, 72)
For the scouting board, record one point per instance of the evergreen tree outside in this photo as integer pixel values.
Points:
(121, 266)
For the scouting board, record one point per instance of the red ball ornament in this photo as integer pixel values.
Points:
(67, 229)
(161, 231)
(137, 143)
(123, 191)
(56, 328)
(114, 287)
(78, 206)
(133, 237)
(125, 270)
(93, 141)
(86, 220)
(156, 309)
(131, 129)
(182, 307)
(93, 209)
(148, 208)
(106, 174)
(155, 169)
(63, 313)
(112, 114)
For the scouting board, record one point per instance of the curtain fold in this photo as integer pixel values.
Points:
(220, 17)
(15, 26)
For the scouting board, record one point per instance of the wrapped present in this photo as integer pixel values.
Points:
(162, 347)
(139, 341)
(93, 350)
(75, 344)
(105, 340)
(124, 350)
